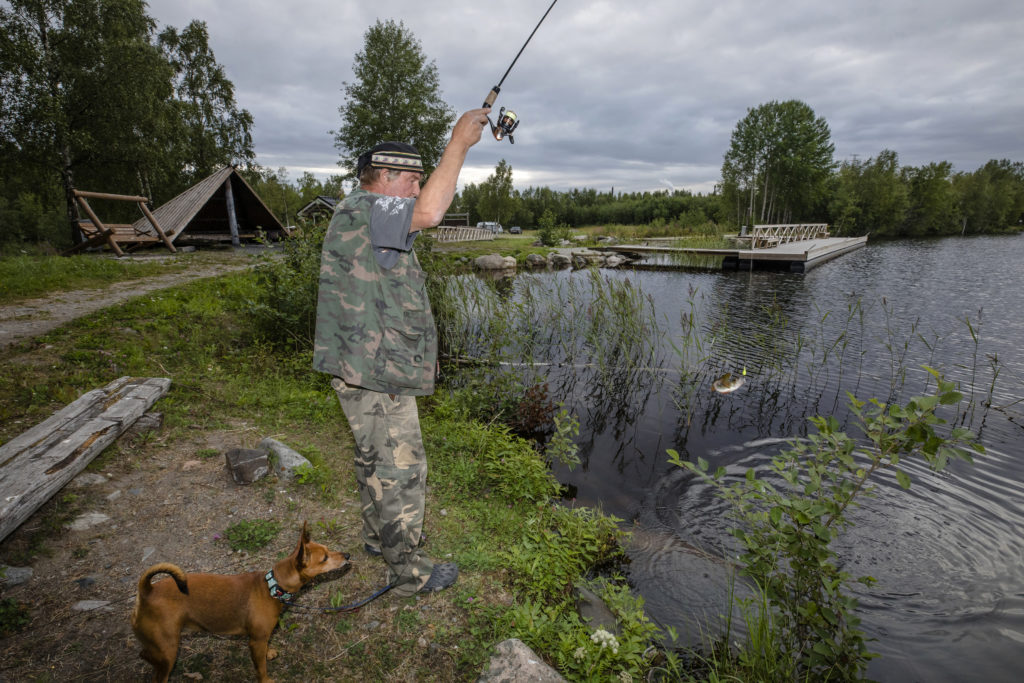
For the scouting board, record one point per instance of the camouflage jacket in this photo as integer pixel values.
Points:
(374, 327)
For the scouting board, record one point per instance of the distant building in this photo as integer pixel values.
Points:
(321, 207)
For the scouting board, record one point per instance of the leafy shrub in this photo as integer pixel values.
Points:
(549, 231)
(786, 528)
(284, 306)
(27, 220)
(566, 543)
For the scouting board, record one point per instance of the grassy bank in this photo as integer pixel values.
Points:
(492, 507)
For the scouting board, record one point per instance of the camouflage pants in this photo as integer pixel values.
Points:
(391, 469)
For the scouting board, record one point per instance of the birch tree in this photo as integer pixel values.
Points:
(395, 96)
(778, 164)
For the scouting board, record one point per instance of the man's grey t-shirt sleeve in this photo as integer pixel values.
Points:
(389, 223)
(390, 220)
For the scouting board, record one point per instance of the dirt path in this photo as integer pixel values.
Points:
(33, 317)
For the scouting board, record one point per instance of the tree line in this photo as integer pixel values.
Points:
(875, 196)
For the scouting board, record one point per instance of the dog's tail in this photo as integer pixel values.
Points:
(163, 568)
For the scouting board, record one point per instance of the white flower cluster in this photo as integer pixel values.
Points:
(580, 653)
(605, 639)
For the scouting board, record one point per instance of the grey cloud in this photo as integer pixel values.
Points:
(642, 95)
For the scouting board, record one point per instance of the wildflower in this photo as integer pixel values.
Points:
(625, 677)
(580, 653)
(605, 639)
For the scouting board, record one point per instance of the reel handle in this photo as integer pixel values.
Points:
(491, 96)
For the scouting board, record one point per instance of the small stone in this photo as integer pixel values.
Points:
(247, 465)
(514, 661)
(13, 576)
(286, 460)
(88, 520)
(91, 605)
(88, 479)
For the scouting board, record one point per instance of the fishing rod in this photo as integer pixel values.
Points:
(507, 119)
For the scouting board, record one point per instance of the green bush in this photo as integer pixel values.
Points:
(25, 219)
(284, 305)
(550, 232)
(566, 543)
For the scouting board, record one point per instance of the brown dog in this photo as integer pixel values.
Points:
(230, 605)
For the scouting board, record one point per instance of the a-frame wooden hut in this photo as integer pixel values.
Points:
(220, 208)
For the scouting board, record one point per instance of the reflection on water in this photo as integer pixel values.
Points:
(948, 554)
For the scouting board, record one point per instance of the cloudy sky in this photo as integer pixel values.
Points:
(641, 95)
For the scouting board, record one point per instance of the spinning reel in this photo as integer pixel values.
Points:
(508, 121)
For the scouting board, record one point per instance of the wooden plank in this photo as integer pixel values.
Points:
(102, 229)
(107, 195)
(156, 226)
(39, 462)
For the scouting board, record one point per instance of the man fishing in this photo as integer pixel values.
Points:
(375, 336)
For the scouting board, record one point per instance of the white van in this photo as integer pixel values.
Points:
(493, 226)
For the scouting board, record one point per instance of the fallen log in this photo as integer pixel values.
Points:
(39, 462)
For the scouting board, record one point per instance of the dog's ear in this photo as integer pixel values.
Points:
(300, 549)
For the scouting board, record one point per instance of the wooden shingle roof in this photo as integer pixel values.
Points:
(201, 211)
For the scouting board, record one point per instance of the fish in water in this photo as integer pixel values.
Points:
(727, 383)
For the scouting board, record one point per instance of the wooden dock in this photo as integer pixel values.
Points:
(795, 257)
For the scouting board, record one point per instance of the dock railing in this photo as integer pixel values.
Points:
(764, 236)
(458, 233)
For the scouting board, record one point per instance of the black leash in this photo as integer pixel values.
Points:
(344, 608)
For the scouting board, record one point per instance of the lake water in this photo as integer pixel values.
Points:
(948, 554)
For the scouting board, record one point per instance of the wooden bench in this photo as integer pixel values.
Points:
(95, 232)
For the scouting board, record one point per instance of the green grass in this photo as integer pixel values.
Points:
(252, 535)
(31, 275)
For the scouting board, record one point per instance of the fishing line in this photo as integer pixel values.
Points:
(508, 121)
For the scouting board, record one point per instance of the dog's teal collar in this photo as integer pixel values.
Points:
(276, 591)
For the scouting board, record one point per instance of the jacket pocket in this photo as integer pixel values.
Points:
(399, 360)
